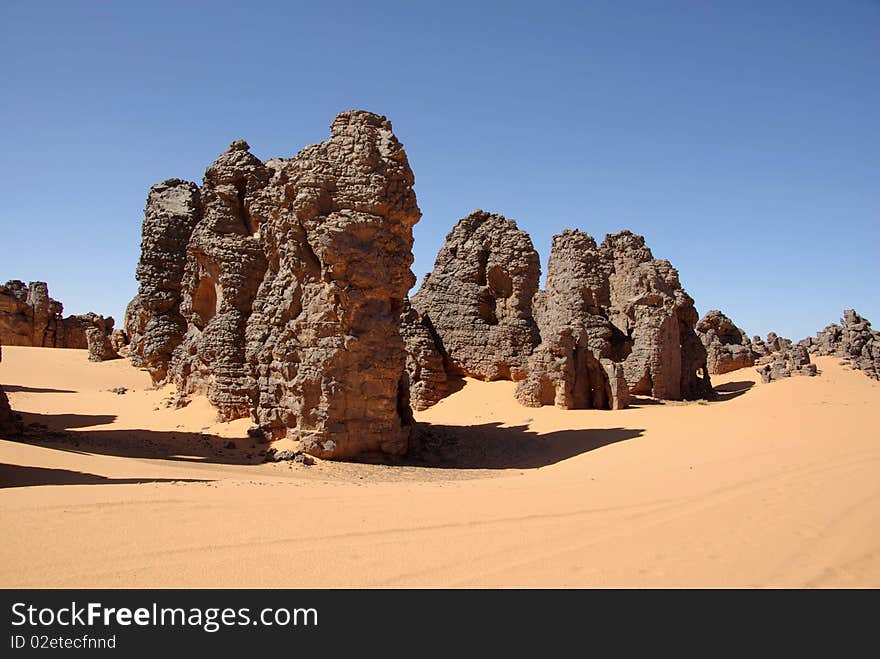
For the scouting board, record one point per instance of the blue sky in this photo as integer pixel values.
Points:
(742, 138)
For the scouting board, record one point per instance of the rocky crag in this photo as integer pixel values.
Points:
(614, 321)
(853, 340)
(277, 289)
(478, 298)
(778, 358)
(579, 361)
(728, 348)
(29, 317)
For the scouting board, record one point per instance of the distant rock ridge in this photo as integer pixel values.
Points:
(728, 348)
(277, 289)
(29, 317)
(853, 340)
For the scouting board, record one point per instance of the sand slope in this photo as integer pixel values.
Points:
(773, 485)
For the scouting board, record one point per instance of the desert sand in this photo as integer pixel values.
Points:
(770, 486)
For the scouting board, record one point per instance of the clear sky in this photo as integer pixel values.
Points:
(741, 137)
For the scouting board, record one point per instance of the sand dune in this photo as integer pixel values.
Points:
(772, 486)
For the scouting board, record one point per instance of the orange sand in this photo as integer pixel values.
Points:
(774, 486)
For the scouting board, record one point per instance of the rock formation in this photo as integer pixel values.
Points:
(153, 321)
(478, 298)
(278, 289)
(29, 317)
(9, 425)
(578, 363)
(728, 348)
(614, 320)
(428, 381)
(100, 348)
(853, 340)
(788, 360)
(648, 303)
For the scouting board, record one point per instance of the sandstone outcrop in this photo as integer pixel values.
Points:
(427, 377)
(478, 298)
(787, 361)
(853, 340)
(728, 348)
(648, 303)
(578, 363)
(153, 321)
(100, 348)
(614, 321)
(29, 317)
(286, 302)
(9, 425)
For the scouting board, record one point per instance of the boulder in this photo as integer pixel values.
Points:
(99, 346)
(728, 348)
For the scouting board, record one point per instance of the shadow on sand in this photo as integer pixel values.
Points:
(485, 446)
(17, 388)
(57, 431)
(731, 390)
(23, 476)
(492, 446)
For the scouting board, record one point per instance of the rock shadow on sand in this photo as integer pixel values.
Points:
(25, 476)
(62, 432)
(493, 446)
(731, 390)
(21, 389)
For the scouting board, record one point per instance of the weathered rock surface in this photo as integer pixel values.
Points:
(119, 341)
(100, 348)
(479, 296)
(794, 360)
(153, 320)
(728, 348)
(778, 358)
(648, 303)
(290, 287)
(853, 340)
(9, 425)
(578, 363)
(428, 381)
(29, 317)
(614, 321)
